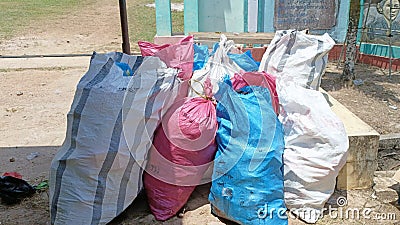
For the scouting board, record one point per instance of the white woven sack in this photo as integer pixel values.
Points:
(297, 57)
(217, 67)
(316, 146)
(97, 172)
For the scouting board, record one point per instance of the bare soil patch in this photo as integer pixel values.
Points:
(95, 27)
(376, 101)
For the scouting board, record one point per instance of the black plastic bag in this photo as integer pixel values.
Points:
(13, 190)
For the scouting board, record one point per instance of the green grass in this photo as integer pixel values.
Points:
(142, 21)
(16, 15)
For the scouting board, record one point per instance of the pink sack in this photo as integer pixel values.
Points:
(150, 49)
(262, 79)
(183, 149)
(180, 55)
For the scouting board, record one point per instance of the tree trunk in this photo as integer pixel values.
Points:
(348, 74)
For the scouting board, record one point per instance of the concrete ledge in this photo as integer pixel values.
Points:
(358, 173)
(46, 62)
(161, 40)
(389, 141)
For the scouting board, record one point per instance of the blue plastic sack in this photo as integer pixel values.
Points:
(244, 61)
(200, 56)
(247, 184)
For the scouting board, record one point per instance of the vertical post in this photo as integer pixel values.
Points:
(246, 16)
(348, 74)
(191, 16)
(252, 15)
(126, 48)
(390, 42)
(343, 19)
(363, 24)
(269, 12)
(261, 16)
(163, 18)
(361, 21)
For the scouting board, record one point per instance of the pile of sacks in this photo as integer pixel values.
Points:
(160, 121)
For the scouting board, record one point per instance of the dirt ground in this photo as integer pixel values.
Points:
(35, 100)
(94, 27)
(376, 101)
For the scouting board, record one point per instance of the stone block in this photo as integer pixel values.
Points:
(358, 173)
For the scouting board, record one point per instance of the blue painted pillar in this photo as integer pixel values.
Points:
(269, 12)
(245, 15)
(163, 17)
(261, 16)
(360, 21)
(340, 30)
(191, 16)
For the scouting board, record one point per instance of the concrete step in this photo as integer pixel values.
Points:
(44, 62)
(389, 141)
(358, 172)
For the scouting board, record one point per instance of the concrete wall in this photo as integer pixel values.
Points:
(222, 15)
(238, 16)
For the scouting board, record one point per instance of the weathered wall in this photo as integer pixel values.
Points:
(234, 16)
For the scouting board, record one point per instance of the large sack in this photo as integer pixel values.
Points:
(217, 66)
(298, 57)
(315, 149)
(97, 172)
(180, 55)
(182, 151)
(248, 168)
(262, 79)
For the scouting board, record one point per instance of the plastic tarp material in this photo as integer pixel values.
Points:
(178, 55)
(183, 148)
(217, 66)
(97, 172)
(244, 60)
(200, 56)
(13, 190)
(316, 149)
(150, 49)
(248, 168)
(298, 57)
(261, 79)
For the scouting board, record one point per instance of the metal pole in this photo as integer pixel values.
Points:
(363, 22)
(126, 48)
